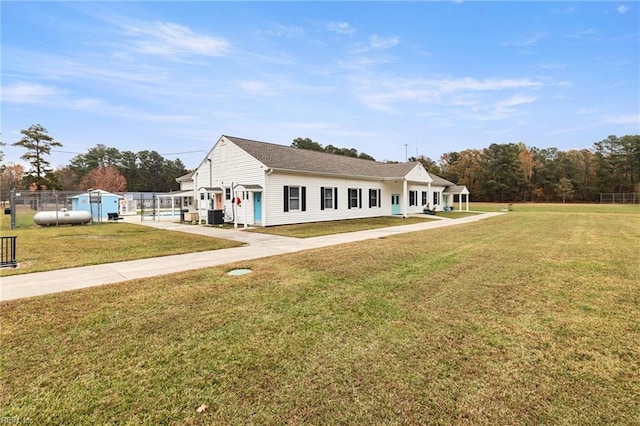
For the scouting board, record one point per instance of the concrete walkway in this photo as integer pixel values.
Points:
(257, 246)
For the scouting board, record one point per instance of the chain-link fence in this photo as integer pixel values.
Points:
(619, 198)
(25, 204)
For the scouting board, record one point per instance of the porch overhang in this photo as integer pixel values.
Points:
(251, 187)
(176, 194)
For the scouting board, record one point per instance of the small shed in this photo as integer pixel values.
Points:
(97, 202)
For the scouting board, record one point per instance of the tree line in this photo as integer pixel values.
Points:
(100, 167)
(515, 172)
(500, 172)
(306, 143)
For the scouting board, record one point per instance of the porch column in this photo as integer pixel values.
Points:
(405, 197)
(467, 201)
(460, 202)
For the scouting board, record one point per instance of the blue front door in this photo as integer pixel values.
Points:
(395, 204)
(257, 206)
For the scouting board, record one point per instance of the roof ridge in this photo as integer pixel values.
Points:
(313, 151)
(303, 160)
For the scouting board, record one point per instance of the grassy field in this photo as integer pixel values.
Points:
(558, 207)
(307, 230)
(532, 317)
(46, 248)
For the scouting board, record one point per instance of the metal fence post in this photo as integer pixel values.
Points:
(12, 206)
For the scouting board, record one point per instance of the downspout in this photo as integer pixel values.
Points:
(196, 200)
(210, 171)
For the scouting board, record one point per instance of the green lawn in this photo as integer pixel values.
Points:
(456, 214)
(558, 207)
(47, 248)
(531, 317)
(317, 229)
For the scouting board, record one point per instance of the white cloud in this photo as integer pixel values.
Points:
(86, 104)
(622, 9)
(551, 65)
(176, 41)
(380, 43)
(516, 100)
(589, 34)
(381, 94)
(569, 130)
(256, 88)
(377, 42)
(484, 85)
(583, 110)
(497, 111)
(53, 97)
(317, 125)
(525, 42)
(280, 30)
(27, 93)
(103, 108)
(341, 28)
(351, 133)
(565, 10)
(633, 119)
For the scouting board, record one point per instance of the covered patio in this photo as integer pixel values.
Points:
(181, 203)
(459, 192)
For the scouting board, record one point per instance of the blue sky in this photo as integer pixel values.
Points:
(374, 76)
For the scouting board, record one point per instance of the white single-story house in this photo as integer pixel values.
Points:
(265, 184)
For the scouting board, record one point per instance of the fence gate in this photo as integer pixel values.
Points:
(8, 252)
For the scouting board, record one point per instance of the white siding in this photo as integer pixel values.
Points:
(419, 175)
(229, 167)
(418, 207)
(186, 185)
(439, 190)
(275, 200)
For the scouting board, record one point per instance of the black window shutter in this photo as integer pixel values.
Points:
(379, 200)
(322, 198)
(304, 198)
(360, 198)
(349, 198)
(335, 198)
(286, 198)
(370, 195)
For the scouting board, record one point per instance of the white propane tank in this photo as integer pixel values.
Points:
(62, 217)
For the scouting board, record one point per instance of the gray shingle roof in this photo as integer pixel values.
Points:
(438, 181)
(455, 189)
(185, 177)
(295, 159)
